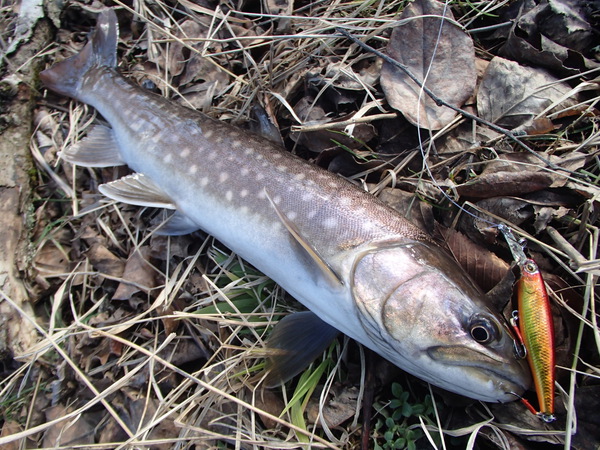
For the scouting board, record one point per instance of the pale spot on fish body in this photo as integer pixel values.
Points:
(228, 196)
(244, 193)
(167, 158)
(185, 152)
(208, 134)
(204, 182)
(244, 171)
(136, 125)
(223, 176)
(193, 169)
(330, 222)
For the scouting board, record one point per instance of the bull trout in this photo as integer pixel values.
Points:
(355, 263)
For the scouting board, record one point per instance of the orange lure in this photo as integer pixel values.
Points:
(537, 330)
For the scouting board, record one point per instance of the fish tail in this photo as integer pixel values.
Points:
(67, 76)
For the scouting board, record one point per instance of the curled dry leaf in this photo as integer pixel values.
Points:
(446, 60)
(505, 183)
(513, 96)
(555, 34)
(521, 173)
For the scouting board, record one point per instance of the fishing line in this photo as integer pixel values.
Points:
(425, 154)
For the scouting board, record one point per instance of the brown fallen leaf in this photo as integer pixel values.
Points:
(505, 183)
(11, 427)
(558, 35)
(138, 275)
(445, 60)
(484, 266)
(512, 95)
(69, 432)
(339, 407)
(104, 261)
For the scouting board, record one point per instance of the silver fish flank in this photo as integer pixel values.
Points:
(355, 263)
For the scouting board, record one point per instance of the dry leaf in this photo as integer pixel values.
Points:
(555, 34)
(339, 408)
(505, 183)
(104, 261)
(483, 266)
(446, 59)
(75, 431)
(512, 95)
(138, 275)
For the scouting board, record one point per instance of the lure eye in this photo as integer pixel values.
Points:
(530, 267)
(483, 330)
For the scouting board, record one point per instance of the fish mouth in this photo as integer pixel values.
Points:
(508, 376)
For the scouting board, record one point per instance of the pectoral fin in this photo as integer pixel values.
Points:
(295, 342)
(177, 225)
(310, 250)
(98, 149)
(137, 189)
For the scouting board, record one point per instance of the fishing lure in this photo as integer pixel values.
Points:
(535, 328)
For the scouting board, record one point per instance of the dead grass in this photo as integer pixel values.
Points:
(177, 362)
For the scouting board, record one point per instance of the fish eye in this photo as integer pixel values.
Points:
(483, 329)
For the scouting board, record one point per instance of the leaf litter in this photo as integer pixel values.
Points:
(159, 342)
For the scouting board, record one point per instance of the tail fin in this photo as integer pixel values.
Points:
(66, 76)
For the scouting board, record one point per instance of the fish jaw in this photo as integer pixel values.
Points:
(434, 323)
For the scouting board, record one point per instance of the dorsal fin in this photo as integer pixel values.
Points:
(137, 189)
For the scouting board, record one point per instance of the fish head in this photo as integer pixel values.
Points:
(422, 312)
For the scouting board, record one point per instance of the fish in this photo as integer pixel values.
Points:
(537, 330)
(357, 265)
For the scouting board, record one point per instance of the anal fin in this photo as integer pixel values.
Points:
(98, 149)
(137, 189)
(296, 341)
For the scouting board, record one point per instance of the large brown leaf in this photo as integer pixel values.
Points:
(512, 95)
(446, 60)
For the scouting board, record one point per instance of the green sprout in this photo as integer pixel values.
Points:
(397, 426)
